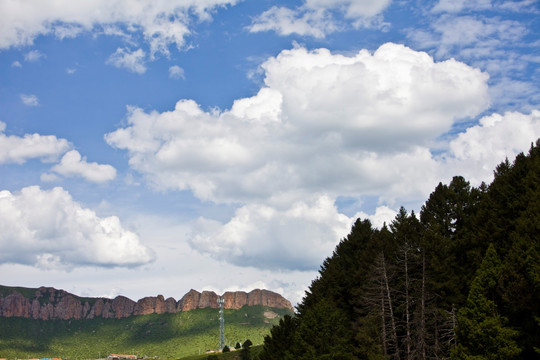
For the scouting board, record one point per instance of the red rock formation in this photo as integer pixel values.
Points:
(49, 303)
(170, 306)
(235, 300)
(268, 298)
(46, 312)
(145, 306)
(96, 310)
(160, 305)
(15, 305)
(122, 307)
(208, 299)
(190, 301)
(66, 307)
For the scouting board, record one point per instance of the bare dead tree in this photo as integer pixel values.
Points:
(388, 294)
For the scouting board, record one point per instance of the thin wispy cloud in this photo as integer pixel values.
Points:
(318, 18)
(33, 55)
(29, 99)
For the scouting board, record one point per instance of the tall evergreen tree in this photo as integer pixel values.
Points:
(482, 332)
(280, 343)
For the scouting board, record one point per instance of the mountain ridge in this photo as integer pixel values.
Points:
(48, 303)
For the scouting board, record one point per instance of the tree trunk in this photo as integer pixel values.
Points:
(390, 308)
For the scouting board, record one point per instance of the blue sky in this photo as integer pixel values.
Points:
(152, 147)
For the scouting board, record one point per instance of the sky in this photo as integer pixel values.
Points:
(150, 147)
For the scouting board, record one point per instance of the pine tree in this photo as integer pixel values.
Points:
(325, 333)
(481, 332)
(280, 343)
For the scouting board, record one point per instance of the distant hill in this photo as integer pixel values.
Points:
(47, 303)
(191, 328)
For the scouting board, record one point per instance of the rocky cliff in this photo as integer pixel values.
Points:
(49, 303)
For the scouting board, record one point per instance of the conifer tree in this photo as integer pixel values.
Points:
(280, 343)
(481, 332)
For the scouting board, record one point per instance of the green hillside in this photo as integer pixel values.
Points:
(164, 335)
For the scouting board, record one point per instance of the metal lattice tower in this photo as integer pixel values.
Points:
(221, 301)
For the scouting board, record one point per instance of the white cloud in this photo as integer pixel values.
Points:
(167, 237)
(324, 125)
(29, 99)
(70, 71)
(16, 64)
(285, 21)
(15, 149)
(518, 6)
(317, 109)
(383, 215)
(352, 8)
(298, 237)
(470, 36)
(33, 55)
(485, 34)
(130, 60)
(316, 18)
(515, 94)
(176, 72)
(162, 23)
(455, 6)
(478, 150)
(48, 229)
(73, 165)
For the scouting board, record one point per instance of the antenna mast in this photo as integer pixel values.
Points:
(221, 301)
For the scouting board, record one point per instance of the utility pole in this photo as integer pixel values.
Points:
(221, 301)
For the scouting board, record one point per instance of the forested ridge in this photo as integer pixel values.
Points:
(461, 280)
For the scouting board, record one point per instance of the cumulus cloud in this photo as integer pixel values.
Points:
(324, 125)
(48, 229)
(16, 64)
(176, 72)
(479, 149)
(29, 99)
(73, 165)
(317, 17)
(300, 236)
(162, 23)
(15, 149)
(383, 216)
(355, 112)
(133, 61)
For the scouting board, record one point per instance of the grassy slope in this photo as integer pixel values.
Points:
(233, 355)
(164, 335)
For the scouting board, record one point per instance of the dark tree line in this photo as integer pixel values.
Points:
(460, 281)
